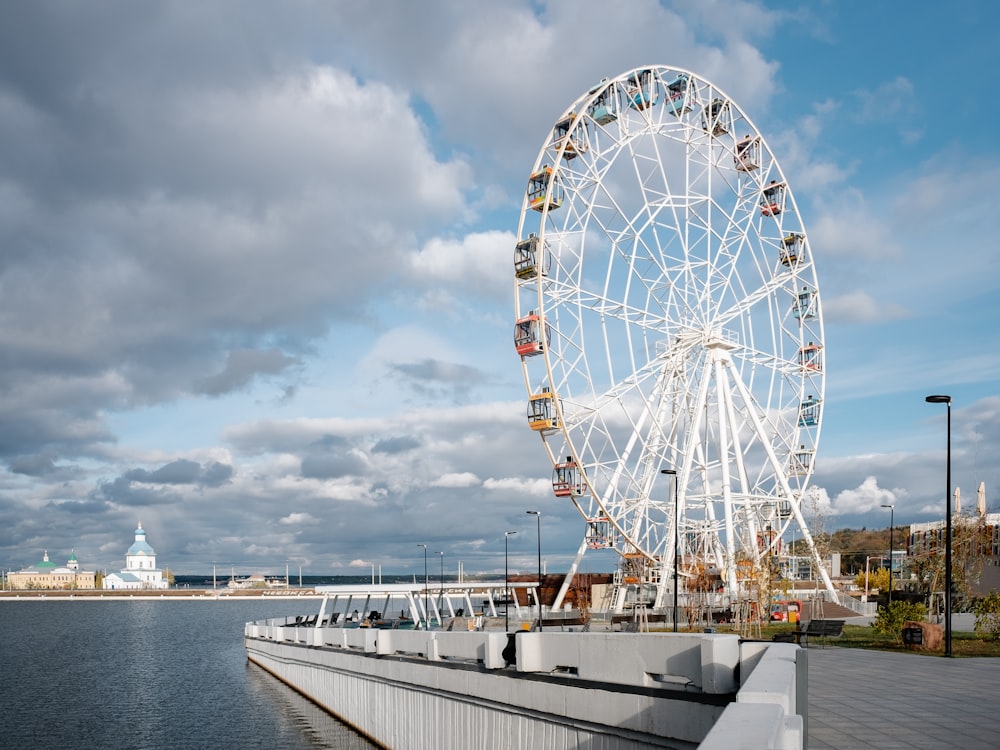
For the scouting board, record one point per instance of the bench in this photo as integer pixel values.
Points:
(813, 629)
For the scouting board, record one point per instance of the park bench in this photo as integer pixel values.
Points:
(813, 629)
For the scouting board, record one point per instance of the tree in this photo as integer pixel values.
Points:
(889, 620)
(987, 610)
(969, 542)
(877, 579)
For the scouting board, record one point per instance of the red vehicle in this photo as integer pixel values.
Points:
(786, 611)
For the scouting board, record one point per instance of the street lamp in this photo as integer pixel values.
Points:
(892, 510)
(538, 518)
(947, 528)
(441, 591)
(673, 473)
(506, 581)
(427, 615)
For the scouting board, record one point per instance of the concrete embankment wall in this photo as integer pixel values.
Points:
(417, 689)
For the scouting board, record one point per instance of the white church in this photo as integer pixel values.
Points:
(140, 567)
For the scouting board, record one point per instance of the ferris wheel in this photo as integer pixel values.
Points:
(669, 326)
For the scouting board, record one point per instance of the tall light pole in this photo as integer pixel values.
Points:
(506, 581)
(538, 518)
(427, 612)
(441, 589)
(947, 528)
(891, 512)
(677, 544)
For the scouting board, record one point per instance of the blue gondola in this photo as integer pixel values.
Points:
(809, 412)
(805, 304)
(604, 109)
(641, 89)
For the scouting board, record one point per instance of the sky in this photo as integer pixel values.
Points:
(255, 265)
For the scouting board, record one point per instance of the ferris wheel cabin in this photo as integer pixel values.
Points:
(747, 155)
(809, 357)
(600, 533)
(715, 117)
(604, 109)
(567, 139)
(528, 337)
(805, 304)
(641, 90)
(544, 191)
(542, 414)
(567, 479)
(677, 94)
(809, 412)
(526, 258)
(772, 198)
(791, 249)
(802, 461)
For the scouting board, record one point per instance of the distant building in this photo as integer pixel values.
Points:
(140, 570)
(928, 538)
(47, 575)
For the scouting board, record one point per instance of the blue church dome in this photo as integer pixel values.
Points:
(140, 547)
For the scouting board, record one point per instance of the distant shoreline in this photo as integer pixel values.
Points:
(202, 595)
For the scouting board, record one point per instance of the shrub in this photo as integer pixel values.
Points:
(889, 620)
(987, 611)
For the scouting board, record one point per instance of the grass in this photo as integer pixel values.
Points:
(962, 644)
(863, 636)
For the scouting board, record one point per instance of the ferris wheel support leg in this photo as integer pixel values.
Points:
(786, 488)
(726, 418)
(568, 580)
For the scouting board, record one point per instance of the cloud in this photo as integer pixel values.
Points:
(457, 480)
(861, 307)
(865, 498)
(533, 487)
(393, 445)
(182, 471)
(891, 101)
(242, 366)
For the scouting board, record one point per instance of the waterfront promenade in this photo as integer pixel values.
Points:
(876, 700)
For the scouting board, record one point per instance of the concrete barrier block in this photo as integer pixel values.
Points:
(744, 726)
(720, 657)
(493, 650)
(384, 644)
(794, 736)
(773, 679)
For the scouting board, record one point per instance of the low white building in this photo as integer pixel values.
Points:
(140, 570)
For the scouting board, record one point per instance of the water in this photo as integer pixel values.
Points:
(144, 675)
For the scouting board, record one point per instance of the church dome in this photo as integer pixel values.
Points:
(140, 547)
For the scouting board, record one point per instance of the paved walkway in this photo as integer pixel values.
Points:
(875, 700)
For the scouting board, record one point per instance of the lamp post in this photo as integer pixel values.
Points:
(947, 528)
(427, 614)
(891, 512)
(538, 518)
(441, 589)
(506, 581)
(673, 473)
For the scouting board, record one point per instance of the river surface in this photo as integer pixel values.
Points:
(145, 675)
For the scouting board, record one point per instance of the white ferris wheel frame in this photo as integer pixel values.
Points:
(669, 317)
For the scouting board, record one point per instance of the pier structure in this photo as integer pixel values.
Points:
(565, 688)
(422, 606)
